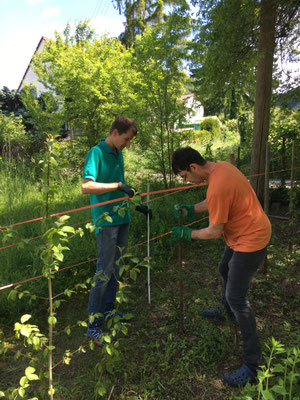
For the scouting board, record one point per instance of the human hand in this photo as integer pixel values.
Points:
(187, 210)
(181, 233)
(129, 190)
(144, 210)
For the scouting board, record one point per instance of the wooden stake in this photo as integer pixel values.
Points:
(292, 206)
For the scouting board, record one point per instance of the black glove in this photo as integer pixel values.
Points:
(144, 210)
(129, 190)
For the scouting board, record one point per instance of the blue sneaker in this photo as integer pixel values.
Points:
(240, 376)
(100, 335)
(219, 313)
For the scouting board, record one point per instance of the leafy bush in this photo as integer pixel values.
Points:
(279, 379)
(211, 125)
(14, 142)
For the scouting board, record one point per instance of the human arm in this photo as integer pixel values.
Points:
(211, 232)
(185, 233)
(200, 207)
(88, 186)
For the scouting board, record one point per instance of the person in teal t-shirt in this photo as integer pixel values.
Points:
(103, 179)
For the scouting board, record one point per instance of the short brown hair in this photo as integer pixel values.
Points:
(124, 124)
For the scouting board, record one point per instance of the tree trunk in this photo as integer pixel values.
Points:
(263, 94)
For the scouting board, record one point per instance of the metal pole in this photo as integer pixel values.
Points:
(148, 245)
(267, 170)
(181, 329)
(266, 194)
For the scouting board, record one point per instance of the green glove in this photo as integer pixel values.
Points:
(187, 210)
(129, 190)
(181, 233)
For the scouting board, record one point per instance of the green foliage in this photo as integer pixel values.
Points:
(210, 129)
(279, 379)
(223, 56)
(285, 124)
(159, 57)
(14, 142)
(152, 361)
(86, 76)
(46, 113)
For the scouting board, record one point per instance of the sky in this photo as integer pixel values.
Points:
(24, 22)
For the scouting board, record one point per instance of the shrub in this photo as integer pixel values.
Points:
(14, 142)
(212, 125)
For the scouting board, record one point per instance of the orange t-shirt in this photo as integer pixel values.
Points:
(232, 201)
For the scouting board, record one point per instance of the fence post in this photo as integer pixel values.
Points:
(291, 205)
(266, 193)
(148, 245)
(181, 329)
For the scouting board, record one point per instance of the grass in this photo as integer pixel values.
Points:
(156, 361)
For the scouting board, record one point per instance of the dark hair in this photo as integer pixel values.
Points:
(124, 124)
(182, 158)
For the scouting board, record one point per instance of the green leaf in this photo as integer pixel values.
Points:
(121, 212)
(33, 377)
(107, 338)
(278, 368)
(267, 395)
(108, 218)
(101, 390)
(51, 391)
(25, 318)
(279, 389)
(2, 394)
(23, 381)
(29, 370)
(133, 274)
(12, 295)
(124, 330)
(68, 229)
(25, 331)
(52, 320)
(68, 330)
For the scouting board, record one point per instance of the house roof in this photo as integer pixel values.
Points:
(43, 39)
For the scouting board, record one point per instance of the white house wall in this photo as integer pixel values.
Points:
(30, 76)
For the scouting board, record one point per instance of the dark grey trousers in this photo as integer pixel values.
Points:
(237, 270)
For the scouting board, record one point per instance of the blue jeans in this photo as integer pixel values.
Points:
(237, 269)
(111, 243)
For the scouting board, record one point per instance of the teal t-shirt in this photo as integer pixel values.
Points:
(104, 165)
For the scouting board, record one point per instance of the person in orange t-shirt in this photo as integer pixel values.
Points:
(234, 212)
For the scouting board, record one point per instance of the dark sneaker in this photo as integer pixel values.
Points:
(100, 335)
(219, 313)
(240, 377)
